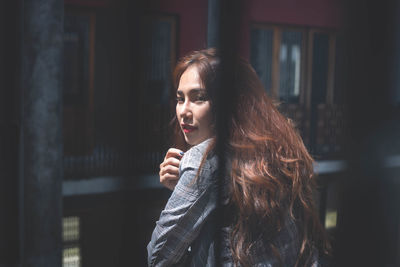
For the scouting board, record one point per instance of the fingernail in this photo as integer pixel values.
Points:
(181, 153)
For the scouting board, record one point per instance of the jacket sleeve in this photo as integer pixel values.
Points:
(188, 208)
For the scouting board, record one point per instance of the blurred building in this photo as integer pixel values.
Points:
(118, 103)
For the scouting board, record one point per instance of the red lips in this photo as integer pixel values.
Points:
(188, 128)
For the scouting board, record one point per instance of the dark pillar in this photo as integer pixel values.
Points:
(227, 39)
(42, 142)
(368, 220)
(10, 23)
(213, 23)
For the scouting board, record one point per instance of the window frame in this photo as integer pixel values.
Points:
(276, 45)
(83, 110)
(173, 19)
(306, 60)
(330, 83)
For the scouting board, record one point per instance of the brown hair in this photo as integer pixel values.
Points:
(272, 175)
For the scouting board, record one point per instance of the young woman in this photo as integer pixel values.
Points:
(267, 206)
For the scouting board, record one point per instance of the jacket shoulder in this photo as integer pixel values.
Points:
(193, 157)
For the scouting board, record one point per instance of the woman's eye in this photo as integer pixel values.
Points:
(201, 98)
(179, 99)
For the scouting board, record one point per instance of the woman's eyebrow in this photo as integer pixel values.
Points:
(197, 90)
(192, 91)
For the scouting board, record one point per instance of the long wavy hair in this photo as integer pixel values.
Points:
(271, 178)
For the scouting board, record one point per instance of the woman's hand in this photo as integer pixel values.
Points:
(169, 168)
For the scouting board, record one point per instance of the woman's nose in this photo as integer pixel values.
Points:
(186, 110)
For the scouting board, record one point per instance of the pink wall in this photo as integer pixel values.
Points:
(325, 14)
(192, 23)
(316, 13)
(192, 17)
(192, 26)
(88, 3)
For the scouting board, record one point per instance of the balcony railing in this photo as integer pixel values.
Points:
(105, 161)
(108, 160)
(330, 130)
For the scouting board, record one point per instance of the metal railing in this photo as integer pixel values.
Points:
(107, 160)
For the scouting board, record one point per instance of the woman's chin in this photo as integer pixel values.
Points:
(192, 140)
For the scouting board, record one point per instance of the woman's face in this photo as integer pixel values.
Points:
(193, 108)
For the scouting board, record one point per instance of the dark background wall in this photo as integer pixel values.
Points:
(9, 130)
(116, 226)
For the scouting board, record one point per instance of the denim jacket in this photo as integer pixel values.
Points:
(188, 222)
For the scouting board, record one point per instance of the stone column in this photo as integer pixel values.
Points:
(10, 131)
(41, 166)
(213, 23)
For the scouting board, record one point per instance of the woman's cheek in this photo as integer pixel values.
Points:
(177, 111)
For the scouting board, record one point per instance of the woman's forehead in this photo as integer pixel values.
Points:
(190, 79)
(190, 74)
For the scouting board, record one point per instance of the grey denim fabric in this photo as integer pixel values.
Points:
(188, 222)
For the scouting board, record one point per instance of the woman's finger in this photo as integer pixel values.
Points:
(169, 169)
(174, 152)
(172, 161)
(170, 177)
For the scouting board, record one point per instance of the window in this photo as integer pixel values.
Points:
(71, 242)
(78, 84)
(277, 55)
(296, 65)
(302, 68)
(261, 55)
(161, 57)
(289, 66)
